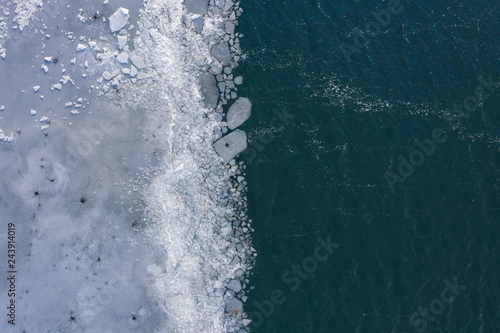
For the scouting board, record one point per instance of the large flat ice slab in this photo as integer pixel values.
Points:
(239, 112)
(231, 145)
(119, 19)
(208, 87)
(222, 53)
(197, 6)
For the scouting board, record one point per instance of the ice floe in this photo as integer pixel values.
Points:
(239, 112)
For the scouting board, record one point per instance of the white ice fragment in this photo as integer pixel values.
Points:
(238, 80)
(138, 61)
(81, 48)
(92, 44)
(126, 70)
(57, 86)
(234, 305)
(246, 322)
(2, 108)
(44, 127)
(107, 75)
(122, 58)
(73, 61)
(119, 19)
(45, 69)
(231, 145)
(86, 64)
(65, 79)
(234, 285)
(33, 112)
(133, 71)
(122, 40)
(74, 112)
(48, 59)
(44, 119)
(239, 112)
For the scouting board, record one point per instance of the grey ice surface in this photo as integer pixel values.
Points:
(231, 145)
(198, 24)
(209, 90)
(197, 6)
(222, 53)
(239, 112)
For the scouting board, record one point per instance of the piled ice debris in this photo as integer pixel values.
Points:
(183, 78)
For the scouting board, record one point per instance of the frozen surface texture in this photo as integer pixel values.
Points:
(127, 218)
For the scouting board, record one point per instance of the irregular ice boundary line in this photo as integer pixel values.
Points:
(197, 210)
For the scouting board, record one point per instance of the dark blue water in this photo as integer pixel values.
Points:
(420, 255)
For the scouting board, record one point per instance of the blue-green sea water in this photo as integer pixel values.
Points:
(416, 249)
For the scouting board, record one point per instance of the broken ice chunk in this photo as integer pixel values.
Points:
(197, 6)
(119, 19)
(44, 119)
(238, 80)
(138, 61)
(208, 88)
(107, 75)
(234, 285)
(57, 86)
(80, 48)
(122, 40)
(239, 112)
(48, 59)
(36, 88)
(133, 71)
(2, 108)
(122, 58)
(45, 69)
(231, 145)
(234, 305)
(33, 112)
(65, 79)
(222, 53)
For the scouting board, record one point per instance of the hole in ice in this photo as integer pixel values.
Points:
(56, 60)
(36, 193)
(83, 200)
(227, 145)
(134, 317)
